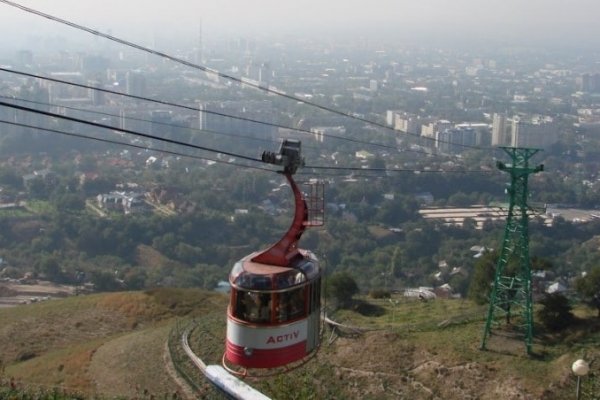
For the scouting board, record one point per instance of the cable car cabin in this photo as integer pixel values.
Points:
(274, 314)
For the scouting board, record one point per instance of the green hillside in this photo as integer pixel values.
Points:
(409, 349)
(111, 345)
(106, 344)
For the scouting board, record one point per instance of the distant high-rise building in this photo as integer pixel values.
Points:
(59, 93)
(98, 97)
(373, 85)
(389, 117)
(453, 140)
(198, 56)
(135, 83)
(536, 133)
(403, 121)
(430, 129)
(265, 73)
(499, 136)
(320, 132)
(482, 130)
(589, 83)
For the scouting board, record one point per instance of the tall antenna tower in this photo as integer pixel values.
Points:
(199, 45)
(511, 294)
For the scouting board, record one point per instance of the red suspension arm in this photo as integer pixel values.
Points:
(285, 250)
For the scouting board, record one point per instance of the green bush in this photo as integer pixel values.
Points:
(556, 314)
(380, 294)
(341, 286)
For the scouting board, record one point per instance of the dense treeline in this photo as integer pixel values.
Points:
(198, 248)
(60, 237)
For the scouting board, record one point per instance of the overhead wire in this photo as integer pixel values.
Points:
(137, 119)
(221, 74)
(212, 112)
(367, 169)
(189, 145)
(128, 131)
(137, 146)
(176, 153)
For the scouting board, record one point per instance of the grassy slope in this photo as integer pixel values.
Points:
(114, 343)
(56, 342)
(136, 357)
(421, 350)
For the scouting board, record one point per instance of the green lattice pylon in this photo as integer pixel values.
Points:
(511, 298)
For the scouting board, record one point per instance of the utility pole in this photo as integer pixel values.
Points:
(511, 294)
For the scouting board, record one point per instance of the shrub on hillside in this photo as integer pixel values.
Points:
(556, 314)
(341, 286)
(380, 294)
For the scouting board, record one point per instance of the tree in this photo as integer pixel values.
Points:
(394, 212)
(104, 281)
(341, 286)
(9, 177)
(92, 187)
(589, 288)
(556, 314)
(483, 276)
(38, 189)
(135, 279)
(69, 202)
(49, 267)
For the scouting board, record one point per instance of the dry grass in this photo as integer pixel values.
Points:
(53, 343)
(65, 368)
(113, 344)
(133, 364)
(149, 257)
(420, 350)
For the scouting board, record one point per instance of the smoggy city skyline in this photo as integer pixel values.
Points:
(511, 21)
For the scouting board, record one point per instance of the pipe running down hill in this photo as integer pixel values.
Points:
(228, 384)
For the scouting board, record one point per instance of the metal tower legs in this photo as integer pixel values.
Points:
(511, 296)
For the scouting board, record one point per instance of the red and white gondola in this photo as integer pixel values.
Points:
(273, 319)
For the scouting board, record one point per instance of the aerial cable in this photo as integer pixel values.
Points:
(137, 119)
(180, 143)
(157, 101)
(167, 103)
(367, 169)
(135, 133)
(137, 146)
(177, 142)
(176, 153)
(220, 74)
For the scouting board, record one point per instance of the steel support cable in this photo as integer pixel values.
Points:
(136, 119)
(212, 112)
(171, 152)
(180, 143)
(220, 74)
(322, 167)
(135, 133)
(137, 146)
(143, 98)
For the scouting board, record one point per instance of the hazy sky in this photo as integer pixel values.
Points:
(566, 20)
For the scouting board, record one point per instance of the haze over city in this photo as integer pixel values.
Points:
(550, 22)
